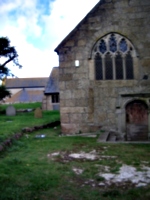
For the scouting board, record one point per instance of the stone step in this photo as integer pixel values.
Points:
(93, 135)
(103, 137)
(112, 138)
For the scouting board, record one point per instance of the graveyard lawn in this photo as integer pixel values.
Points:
(56, 167)
(14, 124)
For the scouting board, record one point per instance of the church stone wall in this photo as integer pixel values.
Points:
(87, 104)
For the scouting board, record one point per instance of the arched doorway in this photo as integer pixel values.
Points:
(137, 121)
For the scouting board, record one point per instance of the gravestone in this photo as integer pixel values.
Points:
(10, 111)
(38, 113)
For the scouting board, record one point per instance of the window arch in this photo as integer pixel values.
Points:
(113, 55)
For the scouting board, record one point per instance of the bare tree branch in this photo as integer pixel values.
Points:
(10, 59)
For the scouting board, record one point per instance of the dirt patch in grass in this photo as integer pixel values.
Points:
(125, 176)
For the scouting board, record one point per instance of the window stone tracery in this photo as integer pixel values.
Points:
(113, 55)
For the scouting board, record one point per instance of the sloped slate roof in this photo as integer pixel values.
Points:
(26, 96)
(26, 82)
(53, 82)
(79, 24)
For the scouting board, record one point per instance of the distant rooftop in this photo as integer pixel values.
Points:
(26, 96)
(26, 82)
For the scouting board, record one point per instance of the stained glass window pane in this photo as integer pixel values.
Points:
(123, 45)
(119, 67)
(112, 43)
(108, 67)
(129, 66)
(102, 46)
(98, 67)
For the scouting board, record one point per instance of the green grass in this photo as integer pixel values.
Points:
(13, 124)
(27, 171)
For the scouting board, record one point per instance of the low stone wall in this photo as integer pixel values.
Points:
(8, 142)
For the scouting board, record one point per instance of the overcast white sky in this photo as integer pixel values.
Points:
(36, 27)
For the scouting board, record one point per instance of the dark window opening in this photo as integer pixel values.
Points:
(108, 67)
(102, 46)
(119, 67)
(55, 98)
(98, 67)
(129, 66)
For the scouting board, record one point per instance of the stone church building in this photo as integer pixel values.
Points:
(104, 71)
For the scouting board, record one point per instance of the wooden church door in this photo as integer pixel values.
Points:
(137, 121)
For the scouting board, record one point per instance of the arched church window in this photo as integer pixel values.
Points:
(113, 58)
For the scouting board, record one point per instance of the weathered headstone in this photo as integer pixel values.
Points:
(10, 111)
(38, 113)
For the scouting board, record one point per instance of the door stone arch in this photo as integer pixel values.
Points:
(136, 121)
